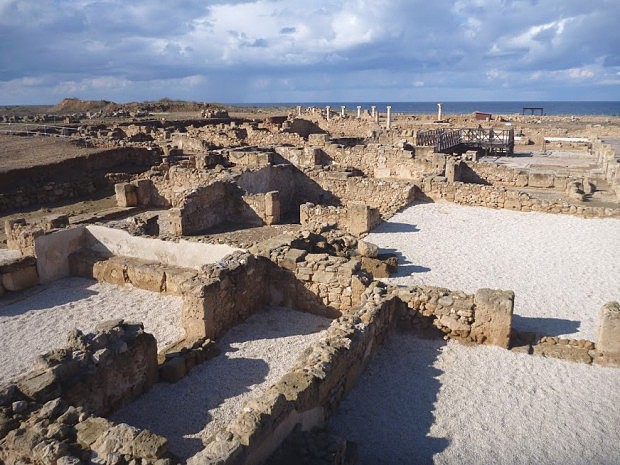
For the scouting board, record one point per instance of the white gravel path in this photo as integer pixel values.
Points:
(563, 269)
(424, 401)
(39, 319)
(254, 355)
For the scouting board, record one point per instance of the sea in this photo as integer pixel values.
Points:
(461, 108)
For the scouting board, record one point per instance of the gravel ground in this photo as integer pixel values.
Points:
(427, 401)
(38, 320)
(562, 268)
(254, 355)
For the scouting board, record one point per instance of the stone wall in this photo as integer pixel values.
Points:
(307, 393)
(608, 159)
(280, 178)
(49, 415)
(356, 218)
(18, 274)
(483, 318)
(500, 197)
(387, 196)
(497, 175)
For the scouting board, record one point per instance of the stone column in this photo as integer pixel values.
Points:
(388, 124)
(373, 111)
(298, 110)
(439, 112)
(376, 116)
(342, 111)
(359, 111)
(327, 111)
(608, 337)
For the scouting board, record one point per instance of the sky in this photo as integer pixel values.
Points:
(309, 50)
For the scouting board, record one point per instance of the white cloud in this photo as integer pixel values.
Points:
(221, 49)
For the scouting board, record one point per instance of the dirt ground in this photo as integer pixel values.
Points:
(75, 209)
(23, 152)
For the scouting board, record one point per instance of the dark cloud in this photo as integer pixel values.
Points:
(290, 50)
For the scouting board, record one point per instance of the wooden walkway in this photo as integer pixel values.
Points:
(490, 141)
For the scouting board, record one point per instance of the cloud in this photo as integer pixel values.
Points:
(296, 50)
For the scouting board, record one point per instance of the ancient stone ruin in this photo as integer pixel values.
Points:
(234, 216)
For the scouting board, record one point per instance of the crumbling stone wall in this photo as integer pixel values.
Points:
(483, 318)
(18, 274)
(356, 218)
(225, 294)
(607, 158)
(49, 416)
(500, 197)
(387, 196)
(308, 393)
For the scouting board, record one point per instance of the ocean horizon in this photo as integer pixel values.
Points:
(551, 108)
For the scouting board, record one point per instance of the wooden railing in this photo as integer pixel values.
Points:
(448, 140)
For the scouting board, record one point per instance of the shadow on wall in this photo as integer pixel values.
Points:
(388, 414)
(468, 175)
(545, 326)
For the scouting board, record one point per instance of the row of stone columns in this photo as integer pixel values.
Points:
(373, 113)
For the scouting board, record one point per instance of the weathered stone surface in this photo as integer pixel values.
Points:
(19, 277)
(125, 195)
(376, 267)
(367, 249)
(89, 430)
(608, 337)
(39, 385)
(564, 352)
(493, 317)
(149, 445)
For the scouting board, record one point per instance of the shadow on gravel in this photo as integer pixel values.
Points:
(545, 326)
(389, 413)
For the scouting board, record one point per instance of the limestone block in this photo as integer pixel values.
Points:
(126, 195)
(382, 172)
(148, 276)
(149, 446)
(560, 182)
(20, 276)
(291, 258)
(89, 430)
(376, 267)
(318, 139)
(563, 352)
(512, 204)
(367, 249)
(144, 188)
(541, 180)
(40, 386)
(361, 218)
(608, 337)
(272, 207)
(521, 180)
(588, 186)
(493, 317)
(111, 271)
